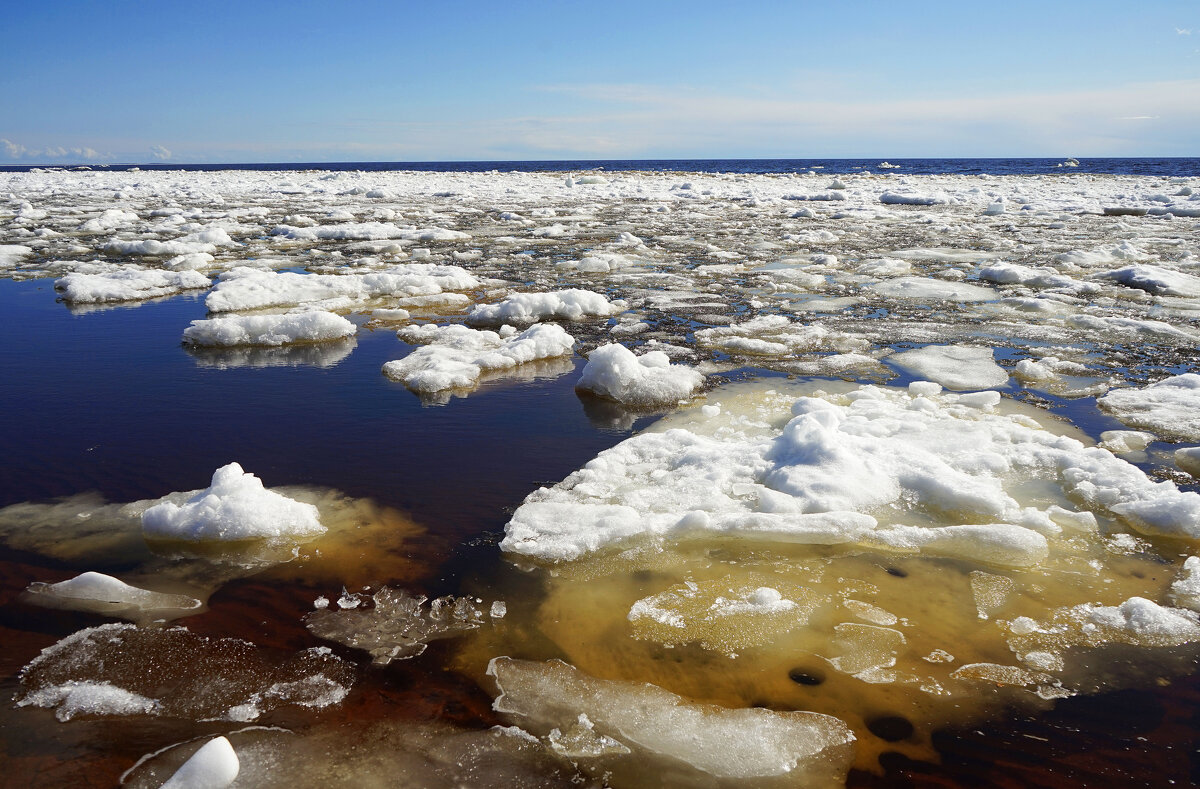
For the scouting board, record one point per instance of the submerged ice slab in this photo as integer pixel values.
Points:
(743, 744)
(235, 507)
(269, 330)
(953, 366)
(615, 373)
(125, 670)
(393, 624)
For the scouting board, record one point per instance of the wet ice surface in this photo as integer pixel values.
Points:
(871, 553)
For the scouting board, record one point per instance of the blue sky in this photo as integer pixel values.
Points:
(408, 81)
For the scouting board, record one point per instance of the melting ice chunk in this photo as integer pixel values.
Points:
(235, 507)
(397, 625)
(103, 594)
(214, 766)
(726, 743)
(614, 372)
(456, 357)
(1170, 407)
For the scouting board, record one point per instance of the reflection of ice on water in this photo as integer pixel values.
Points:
(326, 354)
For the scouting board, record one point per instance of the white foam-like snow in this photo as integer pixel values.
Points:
(235, 507)
(953, 366)
(269, 330)
(245, 288)
(456, 356)
(523, 308)
(831, 472)
(615, 373)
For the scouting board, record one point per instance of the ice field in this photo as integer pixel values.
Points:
(839, 463)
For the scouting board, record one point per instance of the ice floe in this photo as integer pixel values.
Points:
(649, 380)
(744, 744)
(457, 357)
(1170, 407)
(103, 594)
(122, 669)
(522, 308)
(953, 366)
(128, 284)
(235, 507)
(269, 330)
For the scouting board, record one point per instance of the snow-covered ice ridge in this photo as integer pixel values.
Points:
(1070, 267)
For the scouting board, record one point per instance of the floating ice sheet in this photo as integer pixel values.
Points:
(743, 744)
(235, 507)
(456, 357)
(1170, 407)
(269, 330)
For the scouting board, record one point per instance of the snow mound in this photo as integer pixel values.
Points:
(615, 373)
(268, 330)
(235, 507)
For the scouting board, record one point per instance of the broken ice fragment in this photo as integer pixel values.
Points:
(743, 744)
(214, 766)
(103, 594)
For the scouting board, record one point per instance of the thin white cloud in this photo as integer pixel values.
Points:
(14, 150)
(161, 153)
(1138, 118)
(1183, 31)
